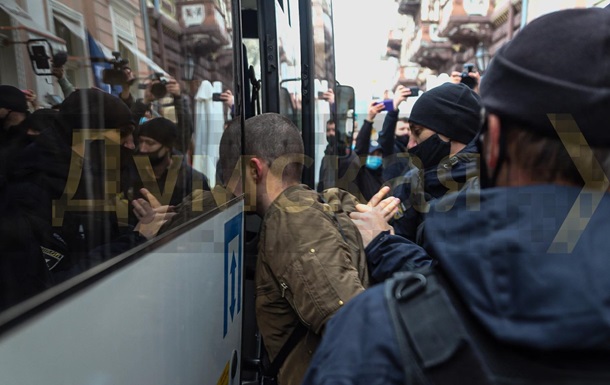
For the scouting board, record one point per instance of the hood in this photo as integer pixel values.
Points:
(525, 283)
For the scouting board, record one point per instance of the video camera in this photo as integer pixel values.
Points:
(466, 78)
(116, 75)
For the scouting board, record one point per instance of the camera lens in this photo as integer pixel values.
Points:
(158, 90)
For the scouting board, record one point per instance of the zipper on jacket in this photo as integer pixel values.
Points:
(284, 287)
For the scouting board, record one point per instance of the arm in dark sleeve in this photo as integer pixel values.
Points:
(359, 346)
(130, 101)
(364, 138)
(185, 124)
(138, 109)
(387, 254)
(388, 133)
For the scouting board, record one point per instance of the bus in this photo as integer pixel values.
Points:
(174, 306)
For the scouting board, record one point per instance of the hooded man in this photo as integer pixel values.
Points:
(164, 171)
(24, 203)
(13, 108)
(443, 123)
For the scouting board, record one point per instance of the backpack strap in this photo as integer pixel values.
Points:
(434, 343)
(323, 200)
(299, 331)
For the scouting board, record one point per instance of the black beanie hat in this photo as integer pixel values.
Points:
(453, 110)
(162, 130)
(93, 108)
(13, 99)
(558, 64)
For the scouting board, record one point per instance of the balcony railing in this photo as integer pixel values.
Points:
(466, 22)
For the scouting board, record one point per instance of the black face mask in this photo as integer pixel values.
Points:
(431, 151)
(404, 140)
(155, 158)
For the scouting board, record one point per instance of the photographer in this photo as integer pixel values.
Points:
(57, 70)
(157, 88)
(129, 79)
(468, 75)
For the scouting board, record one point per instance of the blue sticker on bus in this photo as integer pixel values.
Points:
(233, 270)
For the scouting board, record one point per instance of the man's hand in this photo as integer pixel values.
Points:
(173, 87)
(401, 95)
(374, 109)
(31, 98)
(151, 215)
(329, 96)
(227, 98)
(58, 72)
(130, 78)
(372, 218)
(456, 78)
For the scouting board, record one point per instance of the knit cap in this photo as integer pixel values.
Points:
(558, 64)
(453, 110)
(162, 130)
(13, 99)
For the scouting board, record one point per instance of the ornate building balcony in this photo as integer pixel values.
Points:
(429, 50)
(466, 22)
(204, 26)
(394, 43)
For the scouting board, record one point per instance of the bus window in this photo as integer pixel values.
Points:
(121, 135)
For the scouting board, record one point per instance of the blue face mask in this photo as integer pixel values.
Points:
(373, 162)
(143, 120)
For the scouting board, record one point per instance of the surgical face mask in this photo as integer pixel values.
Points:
(431, 151)
(373, 162)
(143, 120)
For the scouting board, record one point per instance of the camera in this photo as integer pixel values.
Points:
(115, 76)
(158, 89)
(59, 59)
(466, 79)
(216, 97)
(414, 91)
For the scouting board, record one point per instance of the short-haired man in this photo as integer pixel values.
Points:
(307, 267)
(523, 276)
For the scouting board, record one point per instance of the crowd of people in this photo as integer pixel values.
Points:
(465, 245)
(89, 178)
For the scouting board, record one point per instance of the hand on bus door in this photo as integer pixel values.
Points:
(151, 215)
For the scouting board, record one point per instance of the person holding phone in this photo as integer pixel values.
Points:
(468, 74)
(394, 143)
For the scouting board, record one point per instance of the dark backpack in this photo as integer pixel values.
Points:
(442, 343)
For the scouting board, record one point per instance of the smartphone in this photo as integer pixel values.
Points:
(388, 104)
(216, 97)
(321, 95)
(414, 91)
